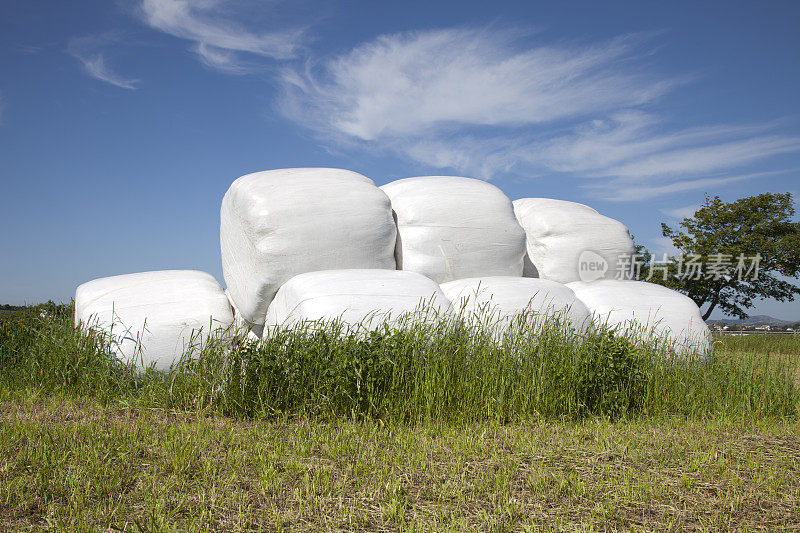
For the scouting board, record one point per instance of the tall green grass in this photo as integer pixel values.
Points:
(447, 370)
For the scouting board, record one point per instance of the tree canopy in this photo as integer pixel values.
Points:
(732, 253)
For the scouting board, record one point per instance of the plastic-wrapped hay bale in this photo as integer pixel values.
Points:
(280, 223)
(242, 328)
(567, 241)
(153, 317)
(499, 299)
(453, 228)
(646, 308)
(355, 297)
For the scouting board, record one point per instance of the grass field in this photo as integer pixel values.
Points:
(457, 434)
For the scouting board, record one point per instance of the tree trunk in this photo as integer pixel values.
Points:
(710, 308)
(715, 300)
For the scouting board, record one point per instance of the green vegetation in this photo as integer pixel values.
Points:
(718, 244)
(422, 427)
(73, 465)
(434, 371)
(7, 309)
(764, 343)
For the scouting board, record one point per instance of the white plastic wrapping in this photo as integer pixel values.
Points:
(500, 298)
(279, 223)
(242, 328)
(646, 307)
(366, 297)
(452, 228)
(153, 316)
(567, 241)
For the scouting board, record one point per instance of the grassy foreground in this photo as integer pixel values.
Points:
(611, 434)
(73, 465)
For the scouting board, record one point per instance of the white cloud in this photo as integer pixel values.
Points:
(623, 191)
(662, 248)
(475, 156)
(625, 153)
(703, 159)
(481, 103)
(88, 51)
(628, 143)
(629, 146)
(405, 84)
(218, 40)
(221, 59)
(681, 212)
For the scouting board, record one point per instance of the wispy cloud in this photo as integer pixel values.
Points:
(681, 212)
(623, 191)
(89, 51)
(406, 84)
(218, 39)
(95, 66)
(31, 49)
(486, 103)
(662, 248)
(629, 145)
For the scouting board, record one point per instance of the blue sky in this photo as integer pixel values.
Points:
(122, 124)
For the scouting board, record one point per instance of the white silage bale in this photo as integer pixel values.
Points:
(452, 228)
(280, 223)
(567, 241)
(355, 297)
(646, 307)
(242, 328)
(153, 317)
(499, 299)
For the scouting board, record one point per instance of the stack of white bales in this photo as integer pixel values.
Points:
(323, 244)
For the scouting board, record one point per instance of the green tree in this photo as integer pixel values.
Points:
(732, 253)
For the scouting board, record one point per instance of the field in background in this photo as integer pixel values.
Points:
(764, 343)
(412, 430)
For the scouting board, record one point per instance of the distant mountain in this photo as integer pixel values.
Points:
(755, 320)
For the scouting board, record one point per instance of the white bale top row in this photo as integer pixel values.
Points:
(280, 223)
(453, 228)
(559, 233)
(316, 243)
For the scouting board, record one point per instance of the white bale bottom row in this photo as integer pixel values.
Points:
(364, 298)
(646, 309)
(153, 317)
(497, 300)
